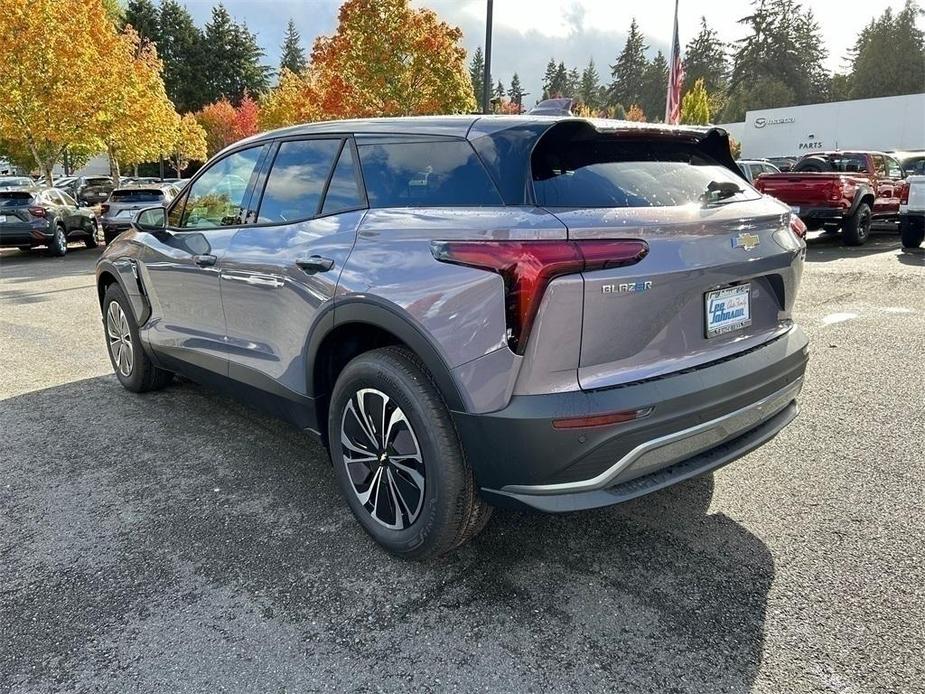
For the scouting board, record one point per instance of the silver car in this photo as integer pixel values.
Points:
(123, 203)
(547, 313)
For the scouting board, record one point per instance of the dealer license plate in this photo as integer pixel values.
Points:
(795, 210)
(727, 309)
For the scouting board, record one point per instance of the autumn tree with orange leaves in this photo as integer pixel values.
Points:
(51, 83)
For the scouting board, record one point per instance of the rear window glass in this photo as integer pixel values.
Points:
(98, 182)
(343, 192)
(601, 173)
(914, 166)
(14, 199)
(425, 174)
(296, 181)
(15, 181)
(136, 196)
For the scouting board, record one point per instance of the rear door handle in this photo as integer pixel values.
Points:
(315, 263)
(204, 260)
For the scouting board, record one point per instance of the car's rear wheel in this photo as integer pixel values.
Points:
(58, 244)
(397, 458)
(856, 230)
(911, 237)
(92, 240)
(134, 369)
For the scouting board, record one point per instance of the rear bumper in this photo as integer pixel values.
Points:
(822, 214)
(700, 420)
(24, 235)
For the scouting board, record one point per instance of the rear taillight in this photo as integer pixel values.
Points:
(104, 208)
(527, 267)
(37, 211)
(797, 227)
(904, 195)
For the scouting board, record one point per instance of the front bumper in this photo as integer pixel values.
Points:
(700, 420)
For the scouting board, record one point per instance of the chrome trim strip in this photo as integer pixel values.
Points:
(778, 400)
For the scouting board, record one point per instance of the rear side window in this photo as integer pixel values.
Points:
(296, 181)
(425, 174)
(136, 196)
(343, 192)
(614, 173)
(15, 199)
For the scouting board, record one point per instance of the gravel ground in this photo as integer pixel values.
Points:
(179, 541)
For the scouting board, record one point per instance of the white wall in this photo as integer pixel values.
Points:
(890, 123)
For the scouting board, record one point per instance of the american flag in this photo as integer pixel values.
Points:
(675, 77)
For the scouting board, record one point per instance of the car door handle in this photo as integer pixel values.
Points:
(204, 260)
(315, 263)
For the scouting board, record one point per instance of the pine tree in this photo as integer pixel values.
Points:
(888, 57)
(573, 83)
(705, 58)
(695, 106)
(233, 59)
(292, 57)
(499, 91)
(142, 15)
(589, 87)
(516, 92)
(627, 72)
(560, 82)
(179, 46)
(654, 90)
(549, 79)
(477, 75)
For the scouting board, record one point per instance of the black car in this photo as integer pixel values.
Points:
(89, 190)
(50, 217)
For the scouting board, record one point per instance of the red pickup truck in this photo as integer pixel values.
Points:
(840, 190)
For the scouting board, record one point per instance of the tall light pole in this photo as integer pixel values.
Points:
(486, 80)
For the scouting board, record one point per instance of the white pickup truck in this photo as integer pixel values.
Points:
(912, 212)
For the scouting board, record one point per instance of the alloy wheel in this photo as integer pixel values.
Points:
(383, 458)
(120, 339)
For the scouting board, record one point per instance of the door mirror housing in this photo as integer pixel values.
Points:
(151, 219)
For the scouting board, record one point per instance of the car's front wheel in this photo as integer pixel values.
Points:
(92, 240)
(397, 458)
(134, 369)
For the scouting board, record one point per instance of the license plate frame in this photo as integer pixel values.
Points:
(727, 310)
(795, 209)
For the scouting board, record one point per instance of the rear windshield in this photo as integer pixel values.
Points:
(139, 195)
(426, 174)
(914, 166)
(98, 182)
(602, 172)
(15, 181)
(15, 199)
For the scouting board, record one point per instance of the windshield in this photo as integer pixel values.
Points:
(136, 195)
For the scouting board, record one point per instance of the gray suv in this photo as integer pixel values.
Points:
(531, 312)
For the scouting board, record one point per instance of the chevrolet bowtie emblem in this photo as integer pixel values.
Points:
(746, 241)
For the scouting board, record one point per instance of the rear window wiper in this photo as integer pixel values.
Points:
(719, 190)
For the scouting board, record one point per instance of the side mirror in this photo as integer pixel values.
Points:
(151, 219)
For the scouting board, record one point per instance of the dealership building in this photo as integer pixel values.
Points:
(889, 123)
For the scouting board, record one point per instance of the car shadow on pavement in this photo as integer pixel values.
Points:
(826, 247)
(912, 256)
(37, 265)
(178, 540)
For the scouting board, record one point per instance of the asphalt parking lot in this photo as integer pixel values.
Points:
(179, 541)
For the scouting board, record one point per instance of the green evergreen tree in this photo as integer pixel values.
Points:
(477, 75)
(516, 92)
(144, 18)
(888, 57)
(560, 81)
(292, 55)
(705, 59)
(589, 89)
(549, 79)
(695, 106)
(499, 92)
(233, 59)
(179, 46)
(573, 83)
(628, 71)
(654, 89)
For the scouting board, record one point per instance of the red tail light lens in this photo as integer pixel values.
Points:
(797, 227)
(527, 267)
(104, 208)
(904, 195)
(37, 211)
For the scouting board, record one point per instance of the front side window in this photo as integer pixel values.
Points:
(426, 174)
(216, 197)
(296, 181)
(893, 169)
(68, 200)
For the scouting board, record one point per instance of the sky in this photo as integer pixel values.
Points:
(527, 33)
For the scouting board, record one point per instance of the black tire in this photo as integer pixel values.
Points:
(911, 237)
(58, 245)
(856, 229)
(92, 240)
(449, 512)
(109, 236)
(812, 165)
(142, 375)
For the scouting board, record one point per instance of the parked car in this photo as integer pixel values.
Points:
(17, 182)
(120, 208)
(912, 213)
(49, 217)
(446, 302)
(841, 190)
(753, 168)
(553, 107)
(89, 190)
(783, 163)
(913, 163)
